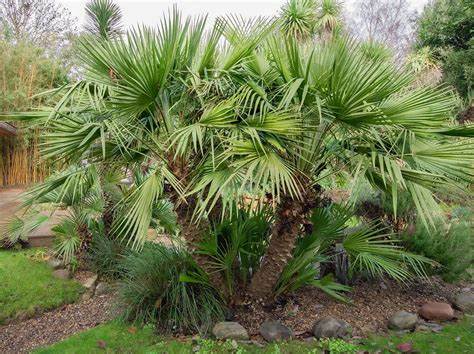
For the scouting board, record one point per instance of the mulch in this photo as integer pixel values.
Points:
(56, 325)
(372, 305)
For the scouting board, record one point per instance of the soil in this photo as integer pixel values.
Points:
(51, 327)
(372, 305)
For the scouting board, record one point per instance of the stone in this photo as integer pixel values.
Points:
(55, 263)
(102, 288)
(331, 328)
(402, 320)
(90, 282)
(230, 330)
(62, 274)
(423, 326)
(437, 311)
(87, 295)
(273, 331)
(465, 302)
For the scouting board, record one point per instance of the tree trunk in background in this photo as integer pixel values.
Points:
(290, 217)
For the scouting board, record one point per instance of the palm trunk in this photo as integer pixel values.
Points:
(191, 231)
(290, 217)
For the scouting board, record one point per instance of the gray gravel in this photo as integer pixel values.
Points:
(56, 325)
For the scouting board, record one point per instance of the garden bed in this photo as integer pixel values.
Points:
(371, 306)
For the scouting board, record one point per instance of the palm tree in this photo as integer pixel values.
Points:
(329, 18)
(211, 119)
(298, 19)
(104, 18)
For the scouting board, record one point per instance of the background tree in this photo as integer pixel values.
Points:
(306, 19)
(43, 22)
(25, 71)
(390, 22)
(445, 27)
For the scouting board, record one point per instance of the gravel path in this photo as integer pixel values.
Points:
(53, 326)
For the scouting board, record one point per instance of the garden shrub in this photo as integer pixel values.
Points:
(156, 288)
(450, 246)
(106, 255)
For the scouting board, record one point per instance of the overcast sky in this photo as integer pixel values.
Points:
(149, 11)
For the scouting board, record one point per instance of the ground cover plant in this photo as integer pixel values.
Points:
(28, 286)
(222, 137)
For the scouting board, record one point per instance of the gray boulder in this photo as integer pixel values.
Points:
(331, 328)
(55, 263)
(230, 330)
(62, 274)
(102, 288)
(402, 320)
(423, 326)
(274, 331)
(465, 302)
(90, 282)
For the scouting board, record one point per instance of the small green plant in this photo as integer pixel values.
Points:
(154, 289)
(67, 239)
(449, 245)
(16, 230)
(336, 346)
(106, 255)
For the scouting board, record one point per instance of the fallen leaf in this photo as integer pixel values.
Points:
(101, 344)
(132, 330)
(405, 347)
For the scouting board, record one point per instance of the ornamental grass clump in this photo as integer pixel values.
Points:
(156, 287)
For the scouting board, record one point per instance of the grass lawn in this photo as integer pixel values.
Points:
(115, 337)
(455, 338)
(27, 285)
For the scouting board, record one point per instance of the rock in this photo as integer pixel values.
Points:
(90, 282)
(465, 302)
(257, 344)
(438, 311)
(274, 331)
(402, 320)
(62, 274)
(428, 327)
(102, 288)
(87, 295)
(230, 330)
(55, 263)
(331, 328)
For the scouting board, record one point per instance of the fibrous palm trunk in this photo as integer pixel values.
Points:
(191, 230)
(290, 217)
(107, 214)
